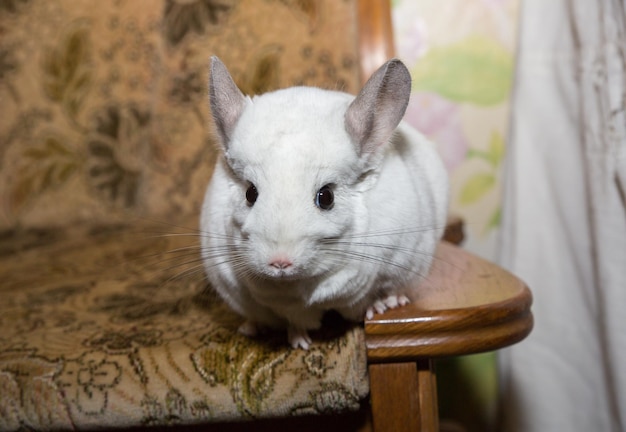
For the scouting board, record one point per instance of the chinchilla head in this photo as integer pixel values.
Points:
(299, 162)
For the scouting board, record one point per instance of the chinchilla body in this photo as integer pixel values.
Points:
(320, 200)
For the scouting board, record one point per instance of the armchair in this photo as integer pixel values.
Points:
(104, 317)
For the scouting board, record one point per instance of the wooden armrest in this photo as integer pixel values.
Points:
(466, 305)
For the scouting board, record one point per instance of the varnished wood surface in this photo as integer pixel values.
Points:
(428, 408)
(404, 396)
(455, 230)
(395, 388)
(466, 305)
(375, 35)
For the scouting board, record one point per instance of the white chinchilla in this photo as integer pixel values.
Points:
(319, 201)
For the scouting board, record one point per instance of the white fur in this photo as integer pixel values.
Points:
(389, 204)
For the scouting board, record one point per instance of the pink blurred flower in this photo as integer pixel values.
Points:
(439, 120)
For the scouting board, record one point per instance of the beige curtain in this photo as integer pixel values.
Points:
(564, 218)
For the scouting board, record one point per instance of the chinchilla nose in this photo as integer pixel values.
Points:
(280, 262)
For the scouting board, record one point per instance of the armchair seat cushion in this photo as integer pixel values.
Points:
(114, 326)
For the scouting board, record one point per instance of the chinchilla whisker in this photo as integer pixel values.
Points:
(223, 252)
(185, 231)
(185, 249)
(178, 258)
(195, 235)
(181, 264)
(239, 266)
(369, 258)
(170, 255)
(189, 269)
(158, 234)
(188, 273)
(405, 250)
(394, 232)
(240, 263)
(169, 224)
(218, 249)
(223, 257)
(231, 259)
(375, 259)
(216, 252)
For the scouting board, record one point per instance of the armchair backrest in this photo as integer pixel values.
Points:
(104, 112)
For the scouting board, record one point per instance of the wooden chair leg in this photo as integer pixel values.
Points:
(404, 397)
(429, 412)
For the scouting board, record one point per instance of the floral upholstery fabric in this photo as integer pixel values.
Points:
(105, 149)
(103, 335)
(104, 107)
(109, 329)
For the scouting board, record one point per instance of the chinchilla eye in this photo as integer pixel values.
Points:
(325, 198)
(252, 194)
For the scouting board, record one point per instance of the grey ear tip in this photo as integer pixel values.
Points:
(398, 69)
(216, 64)
(396, 63)
(215, 60)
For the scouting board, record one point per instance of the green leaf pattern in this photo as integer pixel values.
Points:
(494, 154)
(481, 183)
(476, 70)
(67, 72)
(45, 167)
(478, 185)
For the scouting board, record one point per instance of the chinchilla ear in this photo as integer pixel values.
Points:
(378, 109)
(227, 101)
